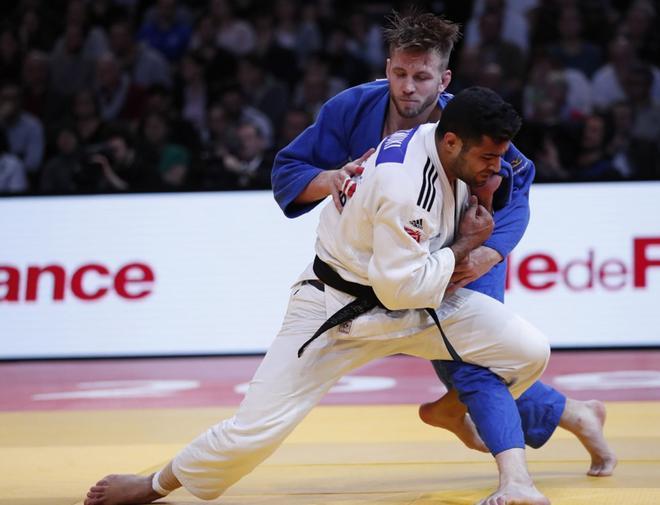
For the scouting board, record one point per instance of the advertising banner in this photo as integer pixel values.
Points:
(209, 273)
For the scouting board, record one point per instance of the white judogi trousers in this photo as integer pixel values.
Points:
(285, 388)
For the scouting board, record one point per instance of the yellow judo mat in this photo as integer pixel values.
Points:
(340, 455)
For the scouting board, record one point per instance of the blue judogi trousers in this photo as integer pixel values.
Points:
(502, 422)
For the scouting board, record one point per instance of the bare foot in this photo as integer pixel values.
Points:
(122, 490)
(585, 420)
(449, 413)
(516, 494)
(516, 486)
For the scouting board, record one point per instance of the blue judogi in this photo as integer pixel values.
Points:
(346, 127)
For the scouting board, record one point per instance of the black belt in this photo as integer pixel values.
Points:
(365, 300)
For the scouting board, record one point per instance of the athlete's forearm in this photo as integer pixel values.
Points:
(317, 189)
(461, 248)
(489, 255)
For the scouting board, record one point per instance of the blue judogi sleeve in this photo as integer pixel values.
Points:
(511, 203)
(346, 127)
(320, 145)
(512, 213)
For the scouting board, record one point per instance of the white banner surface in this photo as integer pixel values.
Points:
(204, 273)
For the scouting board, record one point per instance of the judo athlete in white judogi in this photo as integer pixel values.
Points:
(394, 245)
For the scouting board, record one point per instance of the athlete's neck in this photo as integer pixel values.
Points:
(395, 121)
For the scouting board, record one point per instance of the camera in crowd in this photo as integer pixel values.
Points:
(92, 161)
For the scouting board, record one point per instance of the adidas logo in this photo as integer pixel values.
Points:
(417, 223)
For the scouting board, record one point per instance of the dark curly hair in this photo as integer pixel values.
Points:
(422, 32)
(477, 111)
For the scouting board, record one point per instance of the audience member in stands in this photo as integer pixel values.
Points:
(548, 159)
(640, 26)
(145, 65)
(192, 90)
(160, 100)
(10, 55)
(95, 40)
(592, 162)
(638, 87)
(238, 112)
(280, 61)
(219, 64)
(63, 172)
(285, 14)
(310, 38)
(167, 29)
(261, 89)
(117, 166)
(13, 178)
(493, 48)
(212, 170)
(116, 94)
(249, 167)
(620, 148)
(38, 97)
(71, 71)
(366, 41)
(549, 102)
(317, 86)
(34, 30)
(233, 34)
(466, 71)
(172, 161)
(547, 77)
(219, 139)
(344, 61)
(104, 12)
(645, 131)
(24, 132)
(608, 81)
(596, 19)
(571, 49)
(513, 27)
(86, 117)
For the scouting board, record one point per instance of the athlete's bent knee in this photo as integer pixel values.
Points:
(536, 350)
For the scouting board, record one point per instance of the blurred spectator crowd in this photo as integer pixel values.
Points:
(133, 95)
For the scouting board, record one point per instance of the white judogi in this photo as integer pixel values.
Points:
(392, 235)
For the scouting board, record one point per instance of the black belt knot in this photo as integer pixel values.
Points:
(365, 300)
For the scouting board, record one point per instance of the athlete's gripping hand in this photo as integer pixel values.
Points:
(475, 227)
(339, 181)
(476, 224)
(474, 265)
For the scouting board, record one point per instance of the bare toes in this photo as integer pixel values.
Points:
(604, 468)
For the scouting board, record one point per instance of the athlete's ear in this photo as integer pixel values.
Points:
(388, 65)
(452, 141)
(445, 80)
